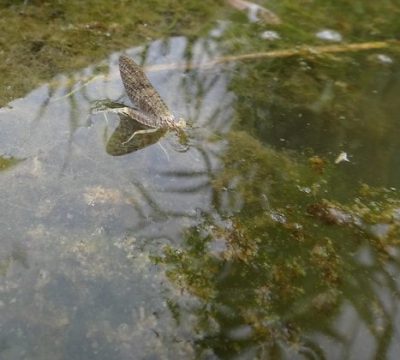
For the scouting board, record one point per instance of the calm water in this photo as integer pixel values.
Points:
(250, 243)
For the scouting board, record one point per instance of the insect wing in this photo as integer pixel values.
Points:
(140, 90)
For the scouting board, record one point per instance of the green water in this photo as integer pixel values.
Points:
(272, 233)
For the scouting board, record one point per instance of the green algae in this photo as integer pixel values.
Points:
(8, 162)
(356, 21)
(40, 39)
(43, 38)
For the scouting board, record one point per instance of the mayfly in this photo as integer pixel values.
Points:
(151, 110)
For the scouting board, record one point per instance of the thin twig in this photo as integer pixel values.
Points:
(304, 51)
(86, 83)
(299, 51)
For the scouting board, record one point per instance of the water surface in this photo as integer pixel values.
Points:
(251, 243)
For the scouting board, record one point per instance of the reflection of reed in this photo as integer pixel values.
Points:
(74, 95)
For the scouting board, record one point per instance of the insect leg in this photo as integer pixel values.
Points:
(146, 131)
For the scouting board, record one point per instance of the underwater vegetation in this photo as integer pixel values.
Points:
(282, 264)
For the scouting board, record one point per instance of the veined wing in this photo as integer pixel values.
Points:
(143, 118)
(140, 90)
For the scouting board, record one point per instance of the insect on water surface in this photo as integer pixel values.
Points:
(151, 110)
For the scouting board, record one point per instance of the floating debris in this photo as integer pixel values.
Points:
(270, 35)
(329, 35)
(384, 59)
(342, 157)
(333, 215)
(218, 31)
(255, 12)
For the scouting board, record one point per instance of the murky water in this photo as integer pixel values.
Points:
(250, 243)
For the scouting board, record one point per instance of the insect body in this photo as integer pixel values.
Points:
(151, 110)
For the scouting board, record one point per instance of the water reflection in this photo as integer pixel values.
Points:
(120, 143)
(262, 282)
(229, 249)
(86, 222)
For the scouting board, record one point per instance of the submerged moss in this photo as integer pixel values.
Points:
(283, 255)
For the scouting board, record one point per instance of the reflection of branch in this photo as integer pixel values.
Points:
(304, 51)
(78, 88)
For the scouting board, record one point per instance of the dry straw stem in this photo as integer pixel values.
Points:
(304, 51)
(86, 83)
